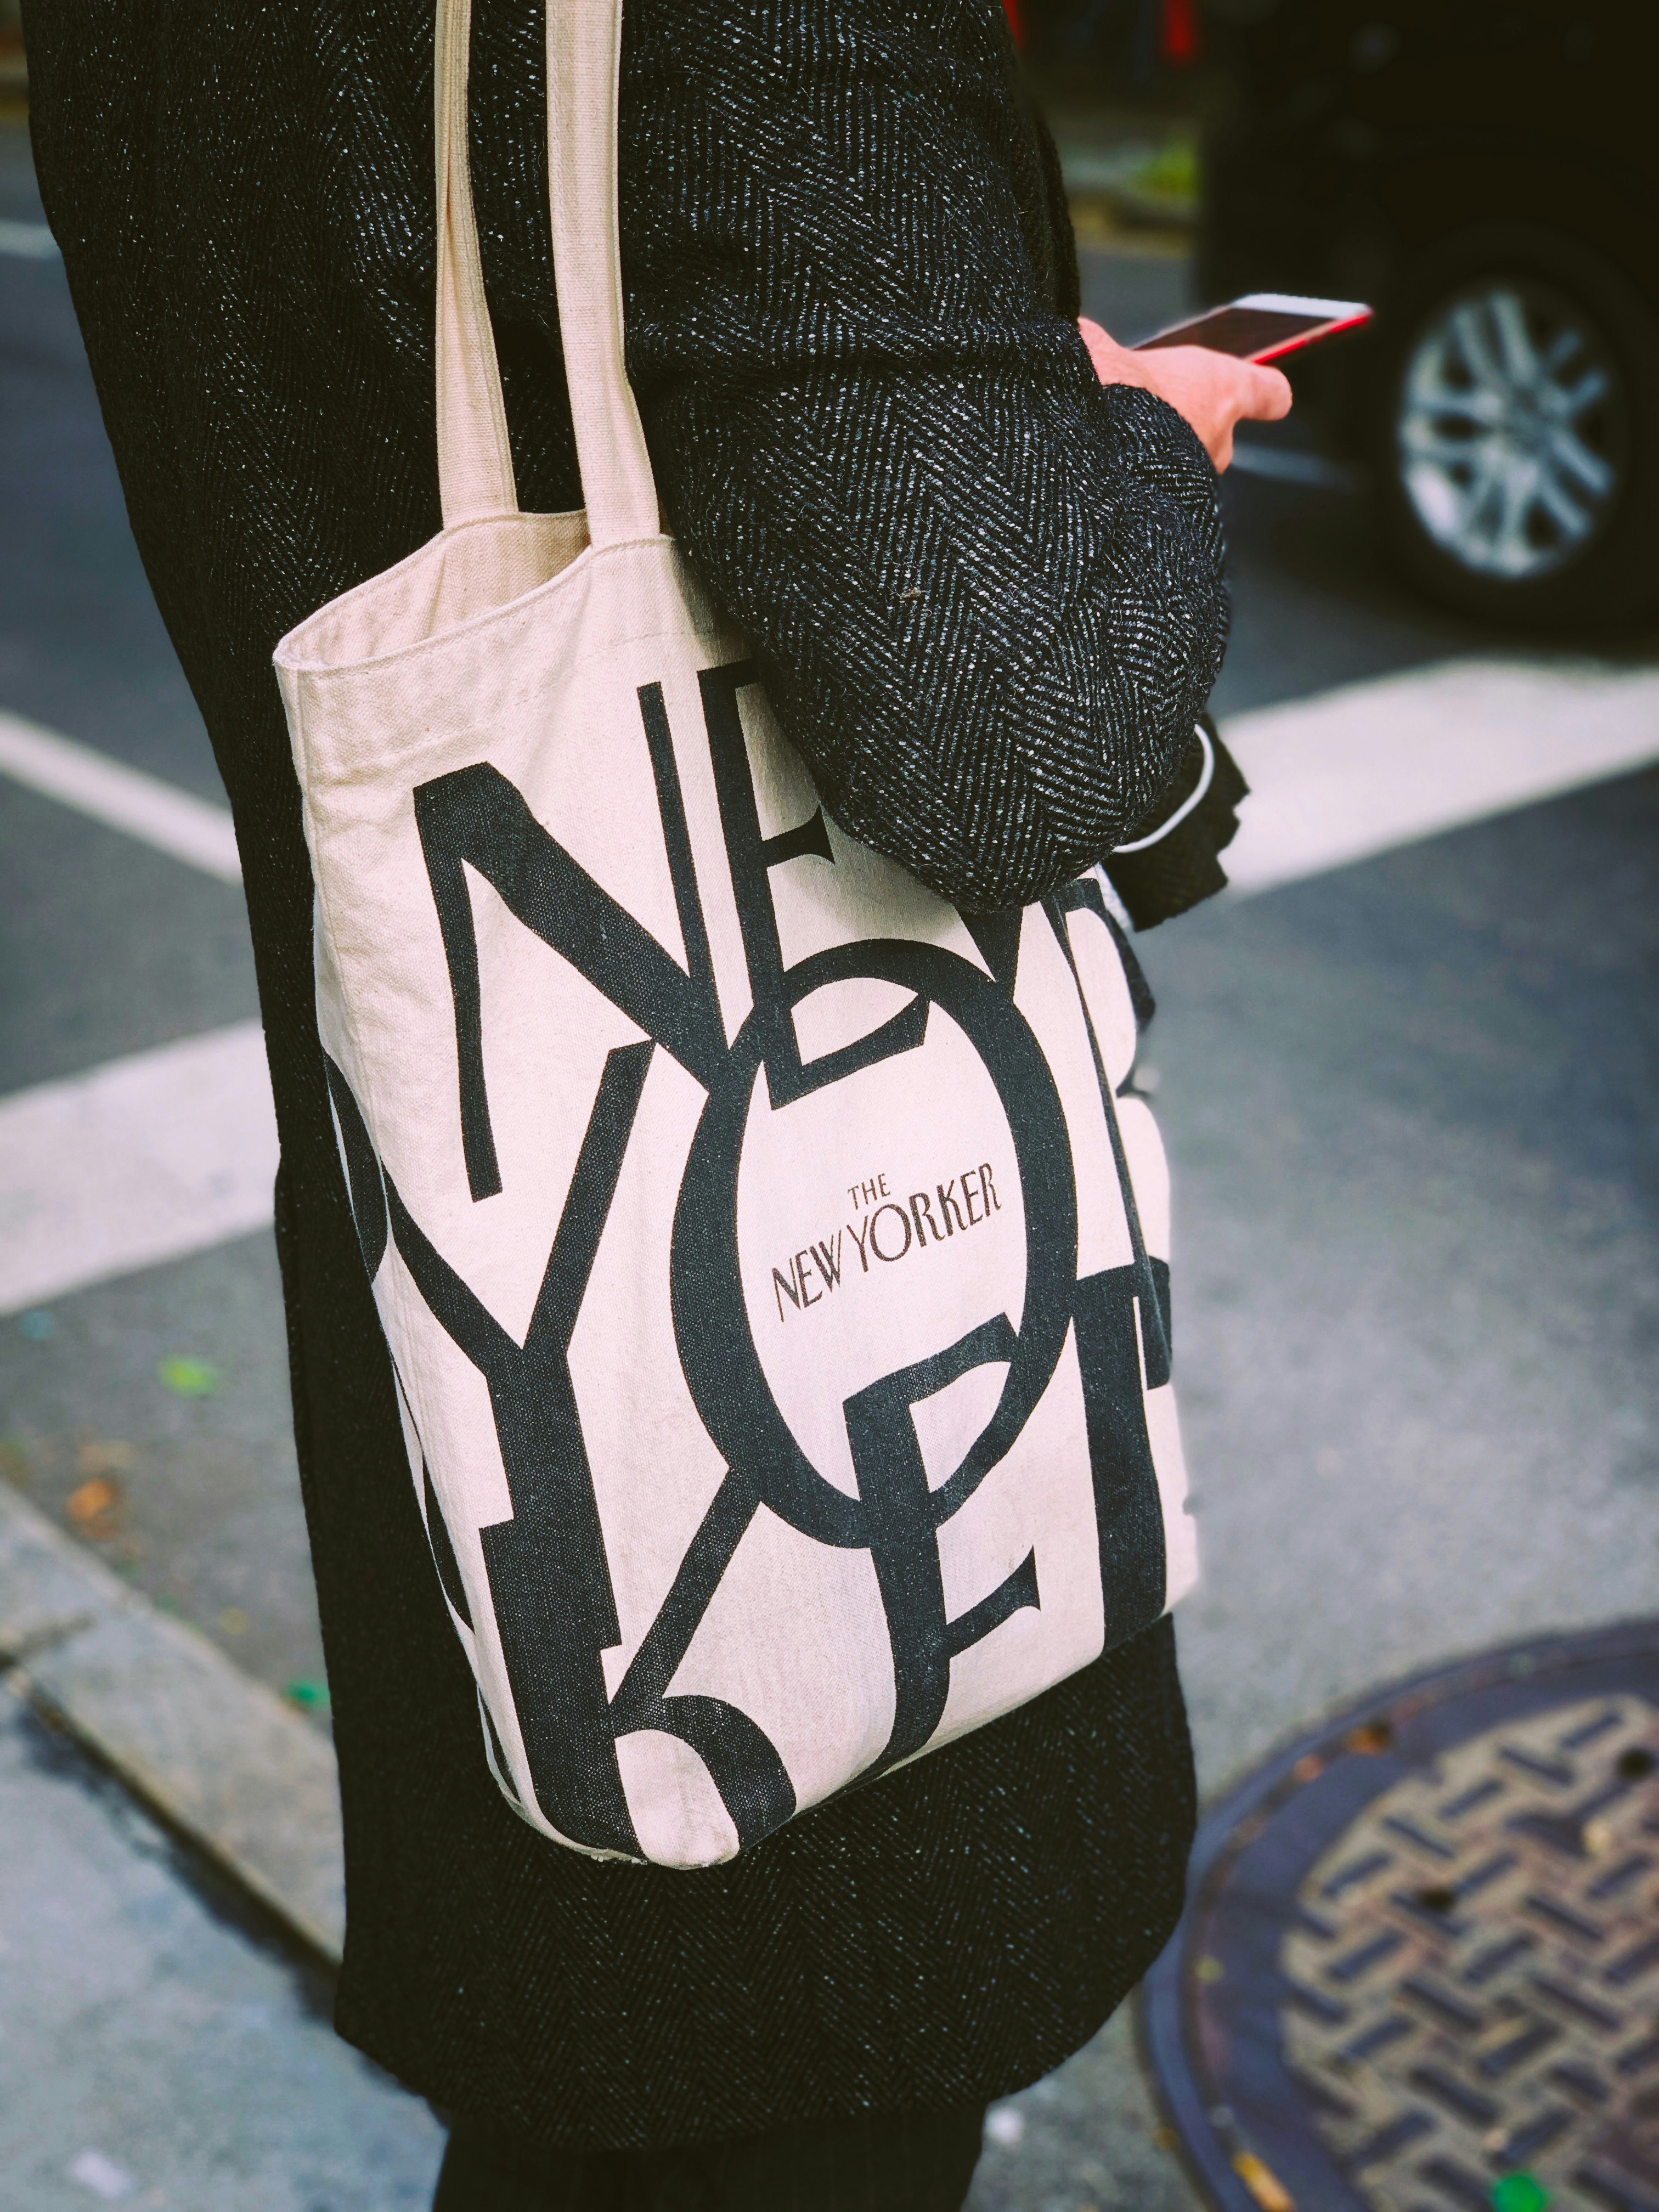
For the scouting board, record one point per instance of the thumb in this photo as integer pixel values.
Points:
(1269, 396)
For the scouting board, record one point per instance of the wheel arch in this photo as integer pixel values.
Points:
(1433, 198)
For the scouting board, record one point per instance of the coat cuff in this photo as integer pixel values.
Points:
(1171, 862)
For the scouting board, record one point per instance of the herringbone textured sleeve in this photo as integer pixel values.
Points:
(986, 591)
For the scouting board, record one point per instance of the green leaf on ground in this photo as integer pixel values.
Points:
(187, 1377)
(1172, 172)
(1519, 2192)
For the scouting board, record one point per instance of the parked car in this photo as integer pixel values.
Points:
(1487, 173)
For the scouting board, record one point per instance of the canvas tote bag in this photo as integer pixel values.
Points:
(773, 1272)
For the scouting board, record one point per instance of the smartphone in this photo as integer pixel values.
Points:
(1264, 326)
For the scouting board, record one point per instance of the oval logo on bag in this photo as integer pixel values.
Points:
(868, 1231)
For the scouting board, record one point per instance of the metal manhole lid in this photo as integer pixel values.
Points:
(1419, 1970)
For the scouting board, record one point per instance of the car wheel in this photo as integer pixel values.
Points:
(1518, 440)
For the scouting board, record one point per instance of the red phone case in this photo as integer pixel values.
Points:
(1254, 328)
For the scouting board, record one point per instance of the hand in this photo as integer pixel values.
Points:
(1213, 391)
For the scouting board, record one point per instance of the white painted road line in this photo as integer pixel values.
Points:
(144, 1159)
(1359, 770)
(168, 1152)
(28, 241)
(173, 821)
(1286, 465)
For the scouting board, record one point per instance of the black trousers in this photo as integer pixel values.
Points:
(902, 2162)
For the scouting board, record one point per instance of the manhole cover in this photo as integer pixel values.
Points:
(1419, 1967)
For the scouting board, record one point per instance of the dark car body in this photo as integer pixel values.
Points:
(1353, 136)
(1378, 148)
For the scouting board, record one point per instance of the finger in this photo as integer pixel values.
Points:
(1270, 394)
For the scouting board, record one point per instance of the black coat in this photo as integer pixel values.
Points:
(988, 597)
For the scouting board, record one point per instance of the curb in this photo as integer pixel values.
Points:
(216, 1754)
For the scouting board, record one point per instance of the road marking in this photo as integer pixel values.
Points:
(1288, 465)
(159, 814)
(1358, 771)
(145, 1159)
(28, 241)
(168, 1152)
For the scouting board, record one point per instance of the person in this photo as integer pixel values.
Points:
(986, 589)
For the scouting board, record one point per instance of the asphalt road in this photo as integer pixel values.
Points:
(1409, 1106)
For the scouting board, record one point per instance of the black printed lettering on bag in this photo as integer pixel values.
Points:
(817, 1268)
(904, 1223)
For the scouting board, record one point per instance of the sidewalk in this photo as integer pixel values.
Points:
(157, 2048)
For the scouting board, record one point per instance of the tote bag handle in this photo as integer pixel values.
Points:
(475, 465)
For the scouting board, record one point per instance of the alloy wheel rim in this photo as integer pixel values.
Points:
(1512, 429)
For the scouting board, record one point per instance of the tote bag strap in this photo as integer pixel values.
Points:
(584, 55)
(475, 465)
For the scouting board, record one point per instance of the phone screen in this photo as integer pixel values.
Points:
(1262, 326)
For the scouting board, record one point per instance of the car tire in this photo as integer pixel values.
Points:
(1516, 431)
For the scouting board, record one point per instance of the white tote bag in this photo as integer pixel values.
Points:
(774, 1277)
